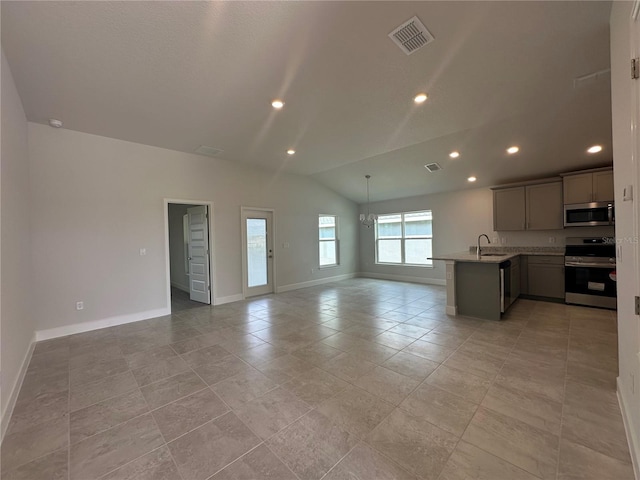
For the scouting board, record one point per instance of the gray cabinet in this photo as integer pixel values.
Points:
(529, 207)
(545, 276)
(515, 279)
(588, 187)
(544, 206)
(509, 209)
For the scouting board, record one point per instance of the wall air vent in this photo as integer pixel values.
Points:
(411, 35)
(208, 151)
(433, 167)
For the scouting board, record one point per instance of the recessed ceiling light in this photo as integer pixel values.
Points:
(420, 98)
(471, 179)
(454, 154)
(291, 151)
(595, 149)
(55, 123)
(512, 150)
(277, 104)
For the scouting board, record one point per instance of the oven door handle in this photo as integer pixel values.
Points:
(589, 265)
(610, 213)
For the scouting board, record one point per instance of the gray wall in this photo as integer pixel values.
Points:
(17, 291)
(179, 277)
(458, 218)
(97, 201)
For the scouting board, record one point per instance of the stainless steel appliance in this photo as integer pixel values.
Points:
(589, 214)
(590, 272)
(505, 285)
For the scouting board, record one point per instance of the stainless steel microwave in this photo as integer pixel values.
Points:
(589, 214)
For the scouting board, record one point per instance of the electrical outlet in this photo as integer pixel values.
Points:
(552, 239)
(503, 240)
(449, 275)
(143, 252)
(79, 305)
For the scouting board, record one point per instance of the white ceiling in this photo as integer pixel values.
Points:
(183, 74)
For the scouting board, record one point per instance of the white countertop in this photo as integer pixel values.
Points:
(472, 257)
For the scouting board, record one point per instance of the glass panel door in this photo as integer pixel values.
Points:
(256, 252)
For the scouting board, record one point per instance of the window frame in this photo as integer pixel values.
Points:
(336, 240)
(403, 238)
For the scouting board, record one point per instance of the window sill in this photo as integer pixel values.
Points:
(404, 265)
(324, 267)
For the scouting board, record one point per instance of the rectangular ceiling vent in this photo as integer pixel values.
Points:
(411, 35)
(208, 151)
(433, 167)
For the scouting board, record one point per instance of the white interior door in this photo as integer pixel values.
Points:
(257, 233)
(199, 275)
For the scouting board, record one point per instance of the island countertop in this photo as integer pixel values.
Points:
(472, 257)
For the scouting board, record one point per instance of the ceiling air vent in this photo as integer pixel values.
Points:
(411, 35)
(433, 167)
(208, 151)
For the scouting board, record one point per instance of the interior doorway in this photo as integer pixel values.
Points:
(189, 262)
(257, 251)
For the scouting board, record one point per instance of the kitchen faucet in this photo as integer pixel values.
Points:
(479, 254)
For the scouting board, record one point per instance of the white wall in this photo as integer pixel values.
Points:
(627, 220)
(16, 318)
(97, 201)
(179, 277)
(458, 218)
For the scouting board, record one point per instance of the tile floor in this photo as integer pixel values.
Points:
(180, 301)
(362, 379)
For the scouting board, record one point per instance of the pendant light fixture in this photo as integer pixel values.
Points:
(369, 219)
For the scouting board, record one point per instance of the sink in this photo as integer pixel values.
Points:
(493, 255)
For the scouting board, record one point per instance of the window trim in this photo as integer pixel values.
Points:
(403, 239)
(336, 239)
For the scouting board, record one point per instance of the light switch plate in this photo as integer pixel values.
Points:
(627, 193)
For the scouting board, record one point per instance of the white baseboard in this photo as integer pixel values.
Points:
(632, 439)
(403, 278)
(184, 288)
(449, 310)
(313, 283)
(228, 299)
(17, 385)
(98, 324)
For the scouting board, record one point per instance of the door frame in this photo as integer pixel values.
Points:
(167, 255)
(243, 233)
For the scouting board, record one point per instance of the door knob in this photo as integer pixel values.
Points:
(190, 258)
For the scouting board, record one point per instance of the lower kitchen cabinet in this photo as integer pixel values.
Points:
(515, 279)
(545, 276)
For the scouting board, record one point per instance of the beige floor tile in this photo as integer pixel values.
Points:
(408, 330)
(261, 354)
(311, 445)
(411, 366)
(316, 354)
(172, 388)
(315, 386)
(81, 375)
(348, 367)
(271, 412)
(258, 463)
(593, 376)
(481, 364)
(536, 410)
(464, 384)
(532, 378)
(363, 462)
(527, 447)
(430, 351)
(285, 368)
(156, 465)
(159, 370)
(31, 410)
(470, 462)
(393, 340)
(188, 413)
(88, 421)
(23, 447)
(84, 395)
(415, 444)
(390, 386)
(142, 359)
(581, 463)
(355, 410)
(445, 410)
(444, 339)
(243, 387)
(204, 356)
(209, 448)
(50, 467)
(106, 451)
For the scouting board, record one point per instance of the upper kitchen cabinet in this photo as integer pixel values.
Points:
(544, 206)
(509, 209)
(593, 186)
(535, 206)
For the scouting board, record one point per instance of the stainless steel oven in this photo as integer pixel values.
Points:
(589, 214)
(590, 272)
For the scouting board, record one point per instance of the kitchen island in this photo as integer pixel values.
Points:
(478, 286)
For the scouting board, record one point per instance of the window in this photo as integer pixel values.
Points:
(404, 238)
(328, 239)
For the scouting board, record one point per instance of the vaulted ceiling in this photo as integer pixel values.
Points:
(183, 74)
